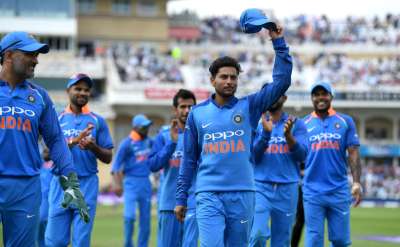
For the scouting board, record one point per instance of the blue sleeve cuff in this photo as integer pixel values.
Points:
(279, 43)
(66, 171)
(181, 202)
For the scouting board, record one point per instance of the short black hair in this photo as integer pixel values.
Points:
(183, 94)
(225, 61)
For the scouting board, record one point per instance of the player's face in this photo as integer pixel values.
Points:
(278, 104)
(79, 94)
(225, 81)
(321, 100)
(24, 63)
(183, 109)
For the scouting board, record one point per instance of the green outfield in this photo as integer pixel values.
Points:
(108, 228)
(365, 222)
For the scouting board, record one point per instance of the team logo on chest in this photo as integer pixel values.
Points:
(237, 118)
(31, 98)
(337, 125)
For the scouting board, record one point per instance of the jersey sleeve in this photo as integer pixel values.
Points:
(161, 152)
(260, 143)
(351, 134)
(299, 151)
(104, 139)
(50, 129)
(189, 161)
(259, 102)
(121, 156)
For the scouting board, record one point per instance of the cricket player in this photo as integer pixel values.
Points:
(26, 111)
(217, 143)
(333, 144)
(279, 148)
(89, 139)
(131, 166)
(167, 154)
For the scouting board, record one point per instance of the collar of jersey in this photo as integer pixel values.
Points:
(331, 112)
(231, 103)
(85, 109)
(22, 84)
(135, 136)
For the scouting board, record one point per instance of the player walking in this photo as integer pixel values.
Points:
(218, 139)
(279, 149)
(89, 139)
(326, 189)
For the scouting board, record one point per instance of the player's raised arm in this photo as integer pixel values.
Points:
(281, 75)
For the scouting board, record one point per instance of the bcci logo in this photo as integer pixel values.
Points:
(31, 98)
(237, 118)
(337, 125)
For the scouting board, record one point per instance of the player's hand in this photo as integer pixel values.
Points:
(287, 129)
(267, 124)
(356, 192)
(118, 190)
(87, 143)
(73, 195)
(86, 132)
(174, 130)
(275, 34)
(180, 212)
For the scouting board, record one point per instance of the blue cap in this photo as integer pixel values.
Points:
(80, 77)
(141, 120)
(21, 41)
(324, 85)
(252, 20)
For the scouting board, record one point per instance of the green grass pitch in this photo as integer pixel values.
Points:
(108, 227)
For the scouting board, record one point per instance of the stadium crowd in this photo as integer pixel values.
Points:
(381, 181)
(303, 28)
(146, 64)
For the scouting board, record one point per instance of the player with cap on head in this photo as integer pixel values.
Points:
(27, 112)
(333, 144)
(217, 144)
(130, 171)
(89, 139)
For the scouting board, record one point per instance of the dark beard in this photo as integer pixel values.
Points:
(275, 107)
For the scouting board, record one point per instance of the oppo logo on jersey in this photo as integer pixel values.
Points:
(277, 139)
(176, 157)
(218, 143)
(14, 110)
(223, 135)
(16, 118)
(325, 136)
(325, 141)
(71, 132)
